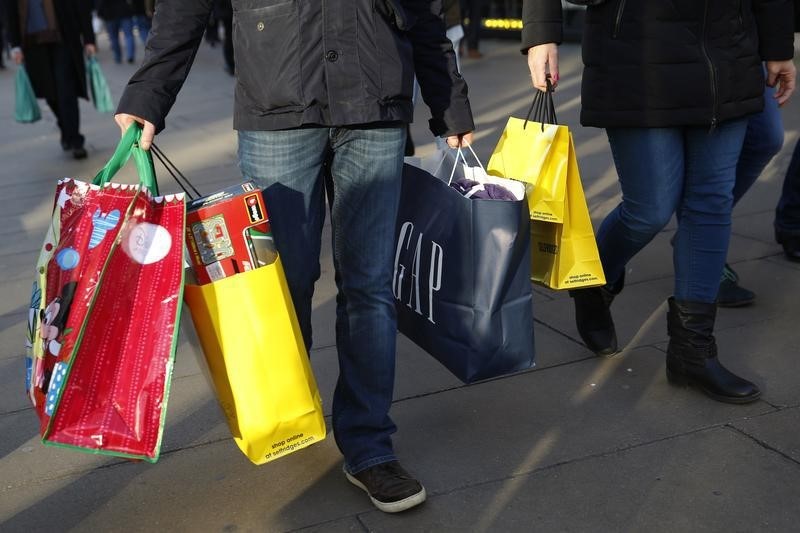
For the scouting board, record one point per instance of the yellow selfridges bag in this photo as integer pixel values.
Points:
(249, 332)
(535, 153)
(565, 256)
(541, 153)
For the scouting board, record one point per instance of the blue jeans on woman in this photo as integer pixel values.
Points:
(686, 171)
(365, 164)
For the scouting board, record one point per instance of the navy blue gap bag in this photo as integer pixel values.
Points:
(462, 278)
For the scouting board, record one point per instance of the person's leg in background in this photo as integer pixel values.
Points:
(227, 45)
(142, 25)
(650, 165)
(701, 245)
(787, 214)
(2, 35)
(126, 25)
(763, 140)
(65, 104)
(112, 30)
(472, 10)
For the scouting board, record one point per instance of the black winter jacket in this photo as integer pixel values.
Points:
(665, 63)
(320, 62)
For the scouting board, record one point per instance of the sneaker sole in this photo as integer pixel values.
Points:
(391, 507)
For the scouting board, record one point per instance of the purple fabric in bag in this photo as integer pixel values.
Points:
(485, 191)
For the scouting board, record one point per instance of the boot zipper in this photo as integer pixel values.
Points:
(618, 18)
(711, 70)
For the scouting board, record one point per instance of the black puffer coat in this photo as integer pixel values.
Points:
(663, 63)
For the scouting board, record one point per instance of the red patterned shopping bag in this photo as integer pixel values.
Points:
(104, 314)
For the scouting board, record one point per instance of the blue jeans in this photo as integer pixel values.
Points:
(787, 215)
(113, 27)
(687, 171)
(366, 167)
(142, 24)
(763, 140)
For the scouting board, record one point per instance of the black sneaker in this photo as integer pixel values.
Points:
(389, 486)
(79, 153)
(731, 294)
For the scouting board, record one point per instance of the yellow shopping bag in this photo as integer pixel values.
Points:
(535, 153)
(258, 362)
(565, 256)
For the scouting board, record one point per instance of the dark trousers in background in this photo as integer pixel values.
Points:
(472, 10)
(227, 45)
(64, 103)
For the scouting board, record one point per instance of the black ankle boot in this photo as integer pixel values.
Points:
(692, 354)
(593, 318)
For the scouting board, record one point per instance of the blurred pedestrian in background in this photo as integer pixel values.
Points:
(50, 37)
(123, 16)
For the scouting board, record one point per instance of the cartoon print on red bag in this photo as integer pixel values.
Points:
(53, 319)
(102, 223)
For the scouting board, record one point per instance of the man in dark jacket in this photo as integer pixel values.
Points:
(672, 84)
(50, 37)
(327, 83)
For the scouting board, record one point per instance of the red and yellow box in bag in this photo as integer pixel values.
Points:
(228, 232)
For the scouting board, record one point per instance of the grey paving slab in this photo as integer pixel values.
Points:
(200, 489)
(777, 431)
(551, 413)
(345, 525)
(540, 419)
(758, 226)
(689, 483)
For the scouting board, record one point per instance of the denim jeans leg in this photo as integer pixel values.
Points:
(287, 165)
(126, 25)
(112, 29)
(649, 163)
(366, 170)
(142, 25)
(704, 214)
(787, 215)
(764, 139)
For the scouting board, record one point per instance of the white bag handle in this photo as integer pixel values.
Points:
(460, 155)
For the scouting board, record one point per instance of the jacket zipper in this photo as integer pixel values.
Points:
(711, 70)
(618, 19)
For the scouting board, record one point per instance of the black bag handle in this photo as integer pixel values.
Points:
(543, 109)
(174, 172)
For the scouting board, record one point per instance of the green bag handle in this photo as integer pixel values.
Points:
(129, 146)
